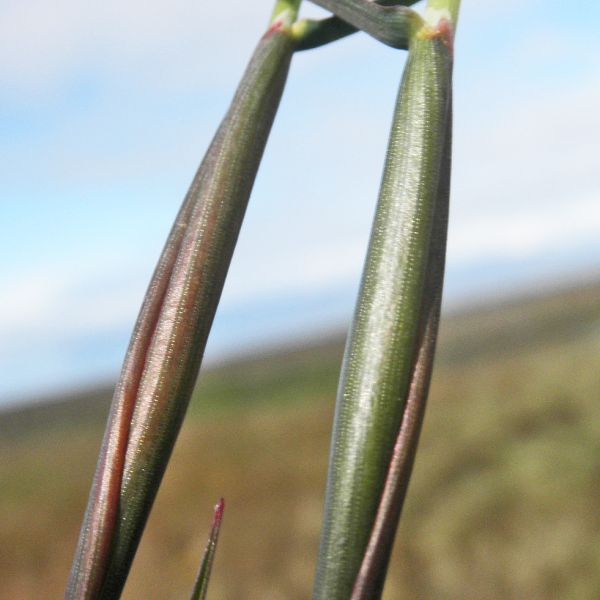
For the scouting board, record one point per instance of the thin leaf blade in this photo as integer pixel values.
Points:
(382, 346)
(371, 577)
(202, 580)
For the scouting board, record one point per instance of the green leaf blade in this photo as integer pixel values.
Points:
(168, 342)
(371, 577)
(201, 585)
(382, 346)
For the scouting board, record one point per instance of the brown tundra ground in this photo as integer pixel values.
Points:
(504, 502)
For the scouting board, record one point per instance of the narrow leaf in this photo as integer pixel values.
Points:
(201, 585)
(388, 322)
(170, 335)
(93, 548)
(371, 577)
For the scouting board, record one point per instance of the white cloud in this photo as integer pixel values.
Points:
(527, 233)
(538, 150)
(42, 44)
(525, 174)
(53, 301)
(307, 269)
(28, 300)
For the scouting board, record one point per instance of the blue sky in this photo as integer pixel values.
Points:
(106, 111)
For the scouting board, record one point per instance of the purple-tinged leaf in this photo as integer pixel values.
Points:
(201, 585)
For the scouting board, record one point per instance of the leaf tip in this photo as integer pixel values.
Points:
(219, 510)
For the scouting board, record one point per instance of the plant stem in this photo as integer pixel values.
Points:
(285, 13)
(451, 7)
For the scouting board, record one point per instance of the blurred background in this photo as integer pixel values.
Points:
(105, 114)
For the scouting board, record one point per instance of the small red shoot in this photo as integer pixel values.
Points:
(201, 585)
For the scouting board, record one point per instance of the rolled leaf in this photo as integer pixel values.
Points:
(100, 518)
(371, 577)
(382, 346)
(164, 356)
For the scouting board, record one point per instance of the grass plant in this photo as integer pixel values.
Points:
(388, 361)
